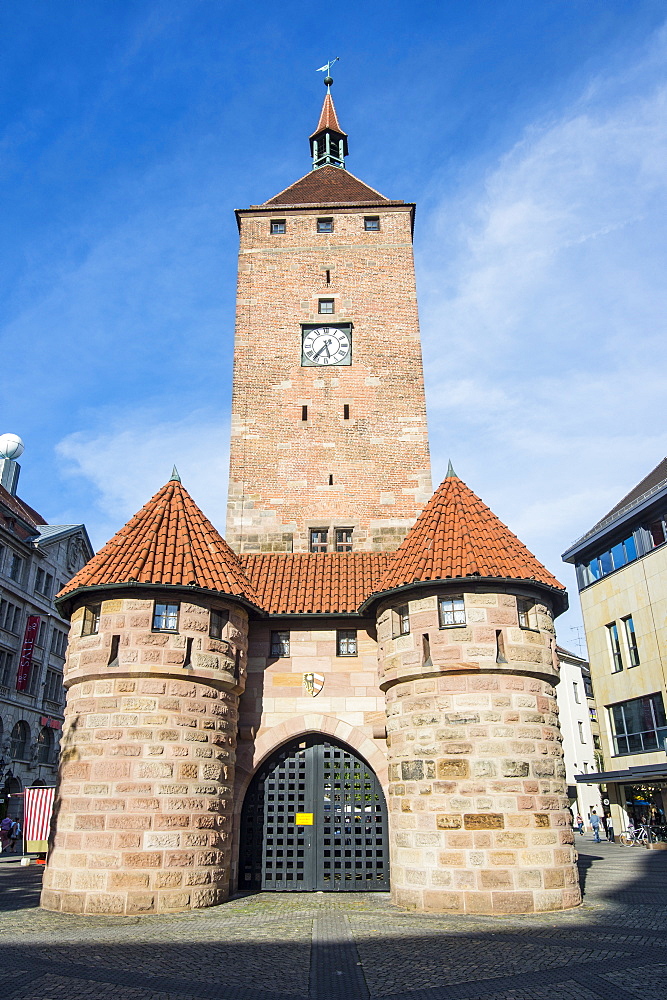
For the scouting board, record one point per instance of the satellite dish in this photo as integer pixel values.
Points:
(11, 446)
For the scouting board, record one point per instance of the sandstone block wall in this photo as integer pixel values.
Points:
(145, 801)
(378, 459)
(478, 811)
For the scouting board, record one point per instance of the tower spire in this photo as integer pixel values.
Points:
(328, 143)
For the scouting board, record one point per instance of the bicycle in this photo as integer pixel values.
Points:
(642, 837)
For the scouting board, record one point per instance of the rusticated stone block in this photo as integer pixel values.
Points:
(483, 821)
(454, 768)
(142, 859)
(448, 822)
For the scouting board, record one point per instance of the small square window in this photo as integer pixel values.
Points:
(217, 623)
(526, 612)
(372, 223)
(319, 539)
(165, 618)
(325, 225)
(401, 623)
(346, 642)
(326, 306)
(91, 619)
(278, 226)
(452, 611)
(344, 539)
(280, 644)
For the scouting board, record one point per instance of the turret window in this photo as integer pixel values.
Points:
(526, 611)
(91, 619)
(372, 223)
(452, 611)
(165, 617)
(219, 619)
(326, 307)
(400, 620)
(325, 225)
(278, 226)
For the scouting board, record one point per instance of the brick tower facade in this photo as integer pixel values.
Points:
(328, 412)
(361, 694)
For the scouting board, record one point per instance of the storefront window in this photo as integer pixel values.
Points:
(639, 725)
(644, 804)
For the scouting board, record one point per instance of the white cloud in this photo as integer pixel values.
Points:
(545, 313)
(130, 460)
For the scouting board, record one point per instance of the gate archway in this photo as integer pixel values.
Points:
(314, 818)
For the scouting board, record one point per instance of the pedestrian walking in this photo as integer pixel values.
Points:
(5, 830)
(580, 824)
(595, 823)
(14, 835)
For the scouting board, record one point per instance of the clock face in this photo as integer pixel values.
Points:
(327, 345)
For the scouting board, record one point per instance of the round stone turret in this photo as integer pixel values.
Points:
(153, 674)
(478, 812)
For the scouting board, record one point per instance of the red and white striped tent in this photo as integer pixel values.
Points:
(38, 806)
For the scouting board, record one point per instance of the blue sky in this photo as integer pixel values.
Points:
(531, 135)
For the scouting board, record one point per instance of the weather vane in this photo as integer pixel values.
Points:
(328, 79)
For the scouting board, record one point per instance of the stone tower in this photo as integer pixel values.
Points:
(479, 818)
(328, 412)
(155, 666)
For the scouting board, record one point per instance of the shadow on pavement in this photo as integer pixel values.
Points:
(272, 946)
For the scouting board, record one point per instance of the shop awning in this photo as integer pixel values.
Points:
(646, 772)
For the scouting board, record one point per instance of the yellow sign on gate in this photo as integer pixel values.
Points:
(303, 819)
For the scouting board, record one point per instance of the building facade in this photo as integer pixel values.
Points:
(356, 693)
(621, 566)
(578, 723)
(36, 561)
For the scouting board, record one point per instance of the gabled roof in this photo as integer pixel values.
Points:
(20, 508)
(328, 186)
(648, 494)
(328, 118)
(168, 542)
(315, 582)
(457, 536)
(656, 477)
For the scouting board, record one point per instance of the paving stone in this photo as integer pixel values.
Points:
(347, 946)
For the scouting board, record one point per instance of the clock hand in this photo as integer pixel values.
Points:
(324, 347)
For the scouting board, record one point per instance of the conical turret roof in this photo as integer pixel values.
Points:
(456, 536)
(169, 542)
(328, 118)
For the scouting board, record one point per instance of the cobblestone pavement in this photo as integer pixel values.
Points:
(348, 946)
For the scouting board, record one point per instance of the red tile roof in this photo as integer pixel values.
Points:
(169, 541)
(455, 536)
(315, 582)
(328, 118)
(328, 186)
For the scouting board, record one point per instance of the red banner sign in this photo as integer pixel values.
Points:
(50, 723)
(25, 663)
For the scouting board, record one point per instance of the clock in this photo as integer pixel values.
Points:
(326, 345)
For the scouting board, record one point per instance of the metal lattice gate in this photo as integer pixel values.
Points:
(314, 817)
